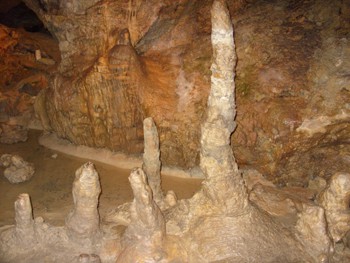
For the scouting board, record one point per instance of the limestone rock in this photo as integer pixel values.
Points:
(312, 228)
(253, 177)
(278, 202)
(5, 160)
(335, 200)
(19, 170)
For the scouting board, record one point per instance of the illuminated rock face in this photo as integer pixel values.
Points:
(108, 83)
(218, 223)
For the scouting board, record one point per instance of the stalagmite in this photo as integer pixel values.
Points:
(143, 239)
(151, 158)
(217, 160)
(219, 222)
(83, 222)
(24, 220)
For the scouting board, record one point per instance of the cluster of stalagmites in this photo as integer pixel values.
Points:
(229, 220)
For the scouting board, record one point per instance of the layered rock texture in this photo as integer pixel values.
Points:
(123, 61)
(218, 224)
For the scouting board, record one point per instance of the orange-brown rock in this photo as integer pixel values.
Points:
(22, 78)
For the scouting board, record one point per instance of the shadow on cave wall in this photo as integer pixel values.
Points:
(20, 16)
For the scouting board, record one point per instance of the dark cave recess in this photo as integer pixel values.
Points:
(20, 16)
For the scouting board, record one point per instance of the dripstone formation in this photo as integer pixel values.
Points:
(218, 224)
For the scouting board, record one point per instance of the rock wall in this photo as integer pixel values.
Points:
(292, 85)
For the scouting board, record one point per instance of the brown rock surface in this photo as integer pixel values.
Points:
(291, 71)
(22, 78)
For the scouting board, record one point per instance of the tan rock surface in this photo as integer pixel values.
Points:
(335, 200)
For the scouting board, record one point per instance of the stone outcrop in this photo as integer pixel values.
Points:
(18, 170)
(335, 200)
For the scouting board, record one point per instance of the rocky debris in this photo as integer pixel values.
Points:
(5, 160)
(18, 170)
(13, 134)
(335, 200)
(83, 222)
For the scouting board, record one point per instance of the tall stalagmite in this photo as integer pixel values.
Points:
(217, 160)
(151, 158)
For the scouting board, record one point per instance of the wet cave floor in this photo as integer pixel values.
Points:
(50, 188)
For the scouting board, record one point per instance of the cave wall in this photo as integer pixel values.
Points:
(292, 82)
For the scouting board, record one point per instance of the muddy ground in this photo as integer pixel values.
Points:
(51, 186)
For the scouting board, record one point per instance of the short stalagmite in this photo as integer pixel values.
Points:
(144, 238)
(24, 220)
(83, 222)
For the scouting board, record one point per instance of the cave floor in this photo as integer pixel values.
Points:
(50, 188)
